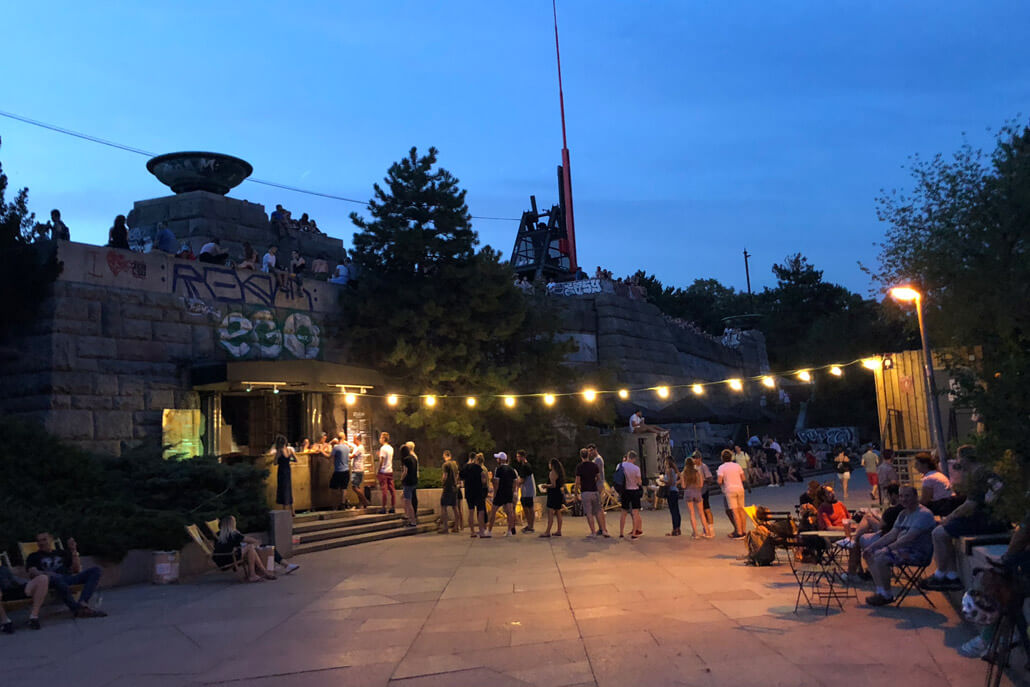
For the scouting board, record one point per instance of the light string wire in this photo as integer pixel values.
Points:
(597, 393)
(263, 182)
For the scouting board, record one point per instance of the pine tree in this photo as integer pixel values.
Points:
(440, 317)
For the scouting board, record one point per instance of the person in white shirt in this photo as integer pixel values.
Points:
(212, 252)
(731, 479)
(631, 496)
(638, 426)
(935, 492)
(357, 470)
(268, 262)
(385, 473)
(341, 275)
(599, 462)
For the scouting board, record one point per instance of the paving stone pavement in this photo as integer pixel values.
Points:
(449, 610)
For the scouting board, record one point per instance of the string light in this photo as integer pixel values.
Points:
(663, 392)
(391, 400)
(836, 371)
(350, 399)
(470, 401)
(697, 389)
(509, 401)
(623, 394)
(871, 363)
(735, 384)
(430, 400)
(548, 399)
(769, 382)
(589, 395)
(805, 376)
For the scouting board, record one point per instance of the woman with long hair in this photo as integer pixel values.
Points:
(118, 234)
(284, 456)
(843, 465)
(691, 481)
(555, 496)
(231, 546)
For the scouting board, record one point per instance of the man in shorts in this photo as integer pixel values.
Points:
(910, 541)
(504, 494)
(357, 471)
(602, 524)
(586, 487)
(527, 488)
(631, 496)
(340, 455)
(13, 588)
(473, 477)
(731, 479)
(870, 462)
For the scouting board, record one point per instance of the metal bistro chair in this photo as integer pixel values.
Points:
(907, 576)
(816, 575)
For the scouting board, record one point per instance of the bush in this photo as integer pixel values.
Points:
(113, 504)
(430, 478)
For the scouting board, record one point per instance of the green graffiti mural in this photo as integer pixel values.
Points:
(258, 335)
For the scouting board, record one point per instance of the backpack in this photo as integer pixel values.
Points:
(761, 546)
(619, 480)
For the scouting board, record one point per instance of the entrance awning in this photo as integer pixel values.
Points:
(287, 375)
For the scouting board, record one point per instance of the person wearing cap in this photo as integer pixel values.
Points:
(504, 494)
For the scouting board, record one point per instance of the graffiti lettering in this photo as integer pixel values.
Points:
(830, 436)
(575, 288)
(226, 286)
(117, 263)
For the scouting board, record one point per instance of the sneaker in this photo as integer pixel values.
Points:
(7, 628)
(509, 533)
(87, 612)
(290, 568)
(879, 600)
(486, 535)
(33, 623)
(974, 648)
(606, 535)
(513, 532)
(392, 510)
(845, 543)
(940, 584)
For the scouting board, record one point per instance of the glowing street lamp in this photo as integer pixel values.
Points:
(907, 294)
(350, 399)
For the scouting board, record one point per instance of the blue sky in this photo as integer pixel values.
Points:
(696, 128)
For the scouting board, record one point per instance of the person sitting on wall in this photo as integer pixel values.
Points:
(638, 426)
(297, 266)
(320, 267)
(164, 240)
(64, 568)
(269, 264)
(118, 234)
(250, 257)
(341, 275)
(279, 220)
(211, 252)
(58, 229)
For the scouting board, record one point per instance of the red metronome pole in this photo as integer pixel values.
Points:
(570, 222)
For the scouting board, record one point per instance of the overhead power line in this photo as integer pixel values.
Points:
(139, 151)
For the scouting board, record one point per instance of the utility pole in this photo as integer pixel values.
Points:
(747, 273)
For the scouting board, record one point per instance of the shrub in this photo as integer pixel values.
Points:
(113, 504)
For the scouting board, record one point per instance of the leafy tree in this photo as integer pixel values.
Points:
(26, 269)
(441, 317)
(961, 235)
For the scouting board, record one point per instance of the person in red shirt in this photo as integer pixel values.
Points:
(832, 512)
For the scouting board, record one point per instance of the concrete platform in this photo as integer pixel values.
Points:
(450, 610)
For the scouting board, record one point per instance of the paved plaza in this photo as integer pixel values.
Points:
(450, 610)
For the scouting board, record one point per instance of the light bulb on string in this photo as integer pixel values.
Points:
(805, 376)
(391, 400)
(429, 400)
(509, 401)
(589, 395)
(662, 391)
(470, 401)
(697, 389)
(548, 399)
(623, 394)
(871, 363)
(769, 382)
(350, 399)
(836, 371)
(735, 384)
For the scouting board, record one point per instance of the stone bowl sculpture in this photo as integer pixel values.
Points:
(196, 171)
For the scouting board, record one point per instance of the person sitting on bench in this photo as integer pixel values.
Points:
(17, 588)
(64, 568)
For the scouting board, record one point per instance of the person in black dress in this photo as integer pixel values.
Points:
(283, 457)
(555, 496)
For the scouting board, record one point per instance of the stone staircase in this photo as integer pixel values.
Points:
(323, 530)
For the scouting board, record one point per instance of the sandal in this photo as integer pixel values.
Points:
(544, 536)
(556, 534)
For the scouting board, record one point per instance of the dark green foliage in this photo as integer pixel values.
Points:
(26, 269)
(111, 505)
(962, 235)
(440, 317)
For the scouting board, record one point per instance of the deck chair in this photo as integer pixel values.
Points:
(212, 527)
(27, 548)
(907, 577)
(208, 548)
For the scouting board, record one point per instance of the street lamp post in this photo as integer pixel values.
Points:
(909, 294)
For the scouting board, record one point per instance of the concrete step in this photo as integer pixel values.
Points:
(350, 519)
(359, 528)
(353, 539)
(324, 515)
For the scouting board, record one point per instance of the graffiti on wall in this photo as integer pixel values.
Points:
(258, 335)
(228, 285)
(830, 436)
(581, 287)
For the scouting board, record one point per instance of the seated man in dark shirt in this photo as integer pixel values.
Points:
(64, 570)
(871, 529)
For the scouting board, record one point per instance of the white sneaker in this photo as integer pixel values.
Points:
(290, 567)
(974, 648)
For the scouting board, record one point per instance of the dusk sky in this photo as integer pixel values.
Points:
(696, 129)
